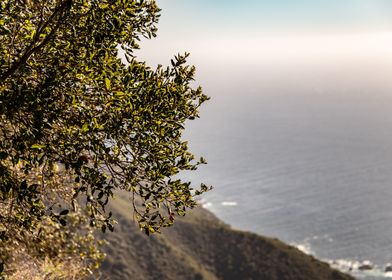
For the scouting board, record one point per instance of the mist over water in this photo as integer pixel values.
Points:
(299, 144)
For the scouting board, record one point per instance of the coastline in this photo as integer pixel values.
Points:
(361, 269)
(200, 246)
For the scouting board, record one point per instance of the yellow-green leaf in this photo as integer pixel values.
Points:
(107, 83)
(38, 146)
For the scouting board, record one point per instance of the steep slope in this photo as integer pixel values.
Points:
(200, 246)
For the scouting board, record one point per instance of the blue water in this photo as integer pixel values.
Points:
(311, 165)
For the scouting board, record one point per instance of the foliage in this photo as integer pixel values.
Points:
(56, 235)
(76, 123)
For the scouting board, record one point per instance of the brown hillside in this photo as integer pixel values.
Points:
(200, 246)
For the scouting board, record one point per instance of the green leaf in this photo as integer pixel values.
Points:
(38, 146)
(64, 212)
(3, 155)
(107, 84)
(85, 128)
(63, 222)
(110, 227)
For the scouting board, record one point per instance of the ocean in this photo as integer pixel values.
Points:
(302, 152)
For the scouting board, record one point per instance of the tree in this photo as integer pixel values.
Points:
(76, 124)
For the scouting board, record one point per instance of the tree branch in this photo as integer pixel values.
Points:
(60, 10)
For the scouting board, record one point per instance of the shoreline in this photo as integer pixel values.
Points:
(361, 269)
(202, 246)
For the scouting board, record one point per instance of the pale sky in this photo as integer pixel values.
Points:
(324, 40)
(221, 27)
(217, 18)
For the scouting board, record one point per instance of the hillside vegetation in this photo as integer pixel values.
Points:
(200, 246)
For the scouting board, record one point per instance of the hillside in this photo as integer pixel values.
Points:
(200, 246)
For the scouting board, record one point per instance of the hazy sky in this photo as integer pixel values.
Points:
(256, 17)
(299, 40)
(272, 30)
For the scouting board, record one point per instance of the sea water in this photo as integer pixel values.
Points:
(303, 153)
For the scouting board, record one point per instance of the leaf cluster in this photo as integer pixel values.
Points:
(76, 124)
